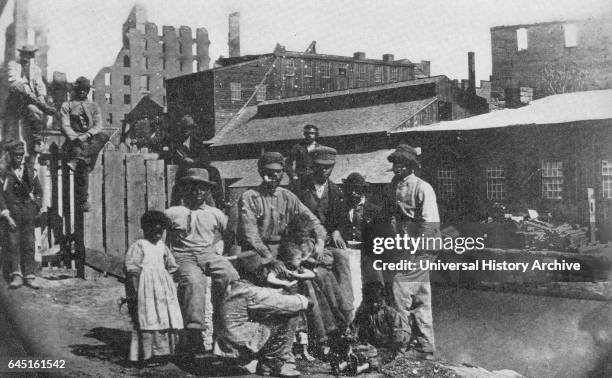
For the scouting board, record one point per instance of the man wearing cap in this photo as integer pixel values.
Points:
(265, 212)
(326, 201)
(192, 239)
(26, 100)
(300, 154)
(192, 153)
(413, 210)
(82, 126)
(20, 203)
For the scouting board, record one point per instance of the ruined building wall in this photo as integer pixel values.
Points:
(549, 59)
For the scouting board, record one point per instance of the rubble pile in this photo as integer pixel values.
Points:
(540, 235)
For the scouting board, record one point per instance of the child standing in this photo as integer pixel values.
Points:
(151, 294)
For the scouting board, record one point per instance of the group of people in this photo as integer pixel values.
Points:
(288, 292)
(22, 142)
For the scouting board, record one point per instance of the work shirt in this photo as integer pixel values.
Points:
(416, 202)
(194, 230)
(300, 155)
(264, 217)
(30, 76)
(326, 202)
(80, 117)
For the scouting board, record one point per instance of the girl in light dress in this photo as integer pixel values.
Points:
(151, 294)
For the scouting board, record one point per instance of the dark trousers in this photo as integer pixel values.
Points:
(18, 246)
(86, 153)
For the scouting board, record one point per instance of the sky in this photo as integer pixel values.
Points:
(85, 35)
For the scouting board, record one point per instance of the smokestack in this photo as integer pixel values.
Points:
(471, 73)
(233, 36)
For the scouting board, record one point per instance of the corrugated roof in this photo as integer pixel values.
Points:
(374, 166)
(235, 169)
(561, 108)
(370, 119)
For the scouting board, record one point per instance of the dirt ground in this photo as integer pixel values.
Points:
(80, 321)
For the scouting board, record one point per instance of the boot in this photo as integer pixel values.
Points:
(31, 282)
(16, 282)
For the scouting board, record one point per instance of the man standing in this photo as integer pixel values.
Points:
(26, 101)
(265, 212)
(20, 203)
(413, 211)
(192, 153)
(325, 199)
(192, 239)
(300, 155)
(82, 125)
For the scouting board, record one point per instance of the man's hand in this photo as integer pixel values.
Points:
(11, 223)
(188, 160)
(47, 109)
(277, 267)
(338, 240)
(83, 137)
(292, 283)
(317, 254)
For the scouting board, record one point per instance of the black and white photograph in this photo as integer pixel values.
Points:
(325, 188)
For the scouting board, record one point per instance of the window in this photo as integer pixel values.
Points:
(163, 47)
(107, 79)
(108, 98)
(236, 91)
(521, 39)
(146, 63)
(126, 61)
(164, 100)
(393, 74)
(164, 82)
(289, 67)
(325, 69)
(146, 44)
(31, 36)
(180, 66)
(570, 32)
(164, 63)
(110, 118)
(308, 69)
(552, 179)
(496, 183)
(180, 47)
(342, 70)
(447, 182)
(195, 66)
(194, 49)
(361, 72)
(127, 80)
(378, 74)
(127, 99)
(144, 83)
(261, 93)
(606, 178)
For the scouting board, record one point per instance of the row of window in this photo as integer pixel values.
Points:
(570, 34)
(551, 177)
(195, 65)
(236, 92)
(194, 47)
(127, 80)
(325, 69)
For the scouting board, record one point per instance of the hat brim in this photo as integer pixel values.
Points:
(324, 162)
(197, 179)
(27, 51)
(402, 158)
(274, 166)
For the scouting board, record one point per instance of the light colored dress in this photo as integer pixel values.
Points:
(159, 314)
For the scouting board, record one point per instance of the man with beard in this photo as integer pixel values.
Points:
(265, 212)
(300, 155)
(412, 208)
(325, 199)
(192, 239)
(82, 126)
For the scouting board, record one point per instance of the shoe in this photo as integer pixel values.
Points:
(250, 367)
(288, 370)
(31, 283)
(16, 282)
(427, 356)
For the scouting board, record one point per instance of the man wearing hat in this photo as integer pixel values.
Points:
(412, 208)
(192, 153)
(325, 199)
(192, 239)
(26, 100)
(20, 203)
(300, 154)
(82, 126)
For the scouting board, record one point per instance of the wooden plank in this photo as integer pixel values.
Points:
(136, 191)
(94, 222)
(156, 190)
(170, 179)
(114, 205)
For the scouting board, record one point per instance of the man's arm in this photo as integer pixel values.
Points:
(65, 122)
(299, 208)
(247, 225)
(96, 119)
(430, 218)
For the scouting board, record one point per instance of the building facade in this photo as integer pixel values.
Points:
(215, 96)
(148, 57)
(550, 58)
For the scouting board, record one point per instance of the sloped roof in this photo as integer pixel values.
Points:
(561, 108)
(374, 166)
(247, 128)
(234, 169)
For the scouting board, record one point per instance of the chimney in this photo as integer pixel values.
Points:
(471, 74)
(388, 58)
(233, 36)
(359, 55)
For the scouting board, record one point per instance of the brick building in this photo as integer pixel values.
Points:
(549, 58)
(215, 96)
(145, 61)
